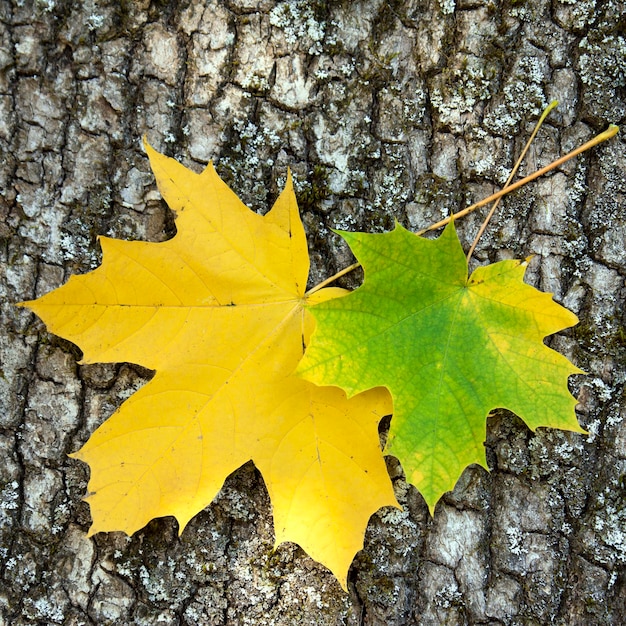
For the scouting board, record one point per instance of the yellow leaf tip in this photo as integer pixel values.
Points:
(182, 523)
(150, 151)
(289, 181)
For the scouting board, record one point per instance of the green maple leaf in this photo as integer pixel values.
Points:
(450, 349)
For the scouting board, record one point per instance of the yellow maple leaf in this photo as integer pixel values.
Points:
(218, 312)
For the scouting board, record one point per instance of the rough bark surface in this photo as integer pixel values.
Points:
(396, 109)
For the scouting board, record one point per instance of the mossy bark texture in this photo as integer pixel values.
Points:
(385, 110)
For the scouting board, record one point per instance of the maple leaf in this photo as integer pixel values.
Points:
(450, 349)
(218, 312)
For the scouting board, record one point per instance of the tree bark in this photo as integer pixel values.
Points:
(396, 109)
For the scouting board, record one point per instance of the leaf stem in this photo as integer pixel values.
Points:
(332, 279)
(483, 226)
(611, 131)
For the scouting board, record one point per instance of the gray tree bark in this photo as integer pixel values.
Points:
(384, 109)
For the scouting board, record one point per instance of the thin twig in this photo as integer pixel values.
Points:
(483, 226)
(611, 131)
(332, 279)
